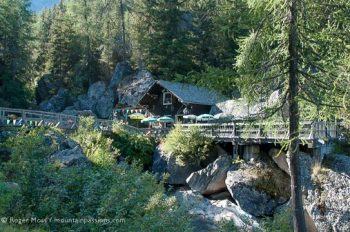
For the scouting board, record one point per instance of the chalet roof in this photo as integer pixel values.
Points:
(192, 94)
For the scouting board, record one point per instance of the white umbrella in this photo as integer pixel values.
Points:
(190, 116)
(205, 117)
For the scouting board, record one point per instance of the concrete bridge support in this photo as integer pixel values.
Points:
(251, 152)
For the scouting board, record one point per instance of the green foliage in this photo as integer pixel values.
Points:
(134, 147)
(182, 37)
(165, 46)
(321, 46)
(227, 226)
(223, 81)
(187, 147)
(341, 147)
(124, 193)
(97, 147)
(15, 19)
(7, 194)
(8, 228)
(281, 222)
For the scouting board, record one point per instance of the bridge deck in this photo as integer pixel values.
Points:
(237, 132)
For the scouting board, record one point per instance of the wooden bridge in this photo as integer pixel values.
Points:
(20, 117)
(260, 132)
(237, 132)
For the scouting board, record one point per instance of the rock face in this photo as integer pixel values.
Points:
(327, 195)
(340, 163)
(210, 211)
(96, 90)
(46, 86)
(133, 87)
(69, 157)
(105, 104)
(163, 162)
(56, 103)
(212, 178)
(280, 158)
(122, 70)
(254, 189)
(159, 163)
(99, 100)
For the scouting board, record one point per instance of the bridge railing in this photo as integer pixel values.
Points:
(224, 131)
(308, 130)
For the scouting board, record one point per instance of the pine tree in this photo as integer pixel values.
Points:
(298, 49)
(64, 51)
(164, 38)
(15, 21)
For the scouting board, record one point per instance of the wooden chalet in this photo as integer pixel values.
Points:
(176, 99)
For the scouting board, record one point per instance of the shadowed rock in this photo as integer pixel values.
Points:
(212, 178)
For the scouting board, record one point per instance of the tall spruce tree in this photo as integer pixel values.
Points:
(15, 22)
(63, 52)
(297, 48)
(164, 37)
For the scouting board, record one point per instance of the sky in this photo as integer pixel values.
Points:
(38, 5)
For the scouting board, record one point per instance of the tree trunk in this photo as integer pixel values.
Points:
(297, 201)
(123, 28)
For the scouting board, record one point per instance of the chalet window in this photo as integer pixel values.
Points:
(167, 98)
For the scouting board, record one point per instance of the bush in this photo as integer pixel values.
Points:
(97, 148)
(134, 147)
(7, 228)
(227, 226)
(96, 192)
(187, 147)
(7, 194)
(281, 222)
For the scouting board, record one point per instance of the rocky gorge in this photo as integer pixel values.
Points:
(246, 192)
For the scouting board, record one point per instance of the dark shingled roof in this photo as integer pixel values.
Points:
(192, 94)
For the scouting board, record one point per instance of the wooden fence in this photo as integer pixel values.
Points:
(264, 132)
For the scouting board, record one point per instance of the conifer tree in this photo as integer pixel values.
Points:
(15, 22)
(63, 50)
(297, 49)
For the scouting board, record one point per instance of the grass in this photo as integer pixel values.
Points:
(319, 173)
(8, 228)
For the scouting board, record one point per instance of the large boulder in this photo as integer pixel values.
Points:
(211, 212)
(84, 103)
(96, 90)
(99, 100)
(159, 165)
(60, 141)
(280, 158)
(122, 70)
(258, 188)
(70, 157)
(178, 173)
(212, 178)
(166, 162)
(133, 87)
(58, 102)
(47, 87)
(327, 193)
(339, 163)
(105, 104)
